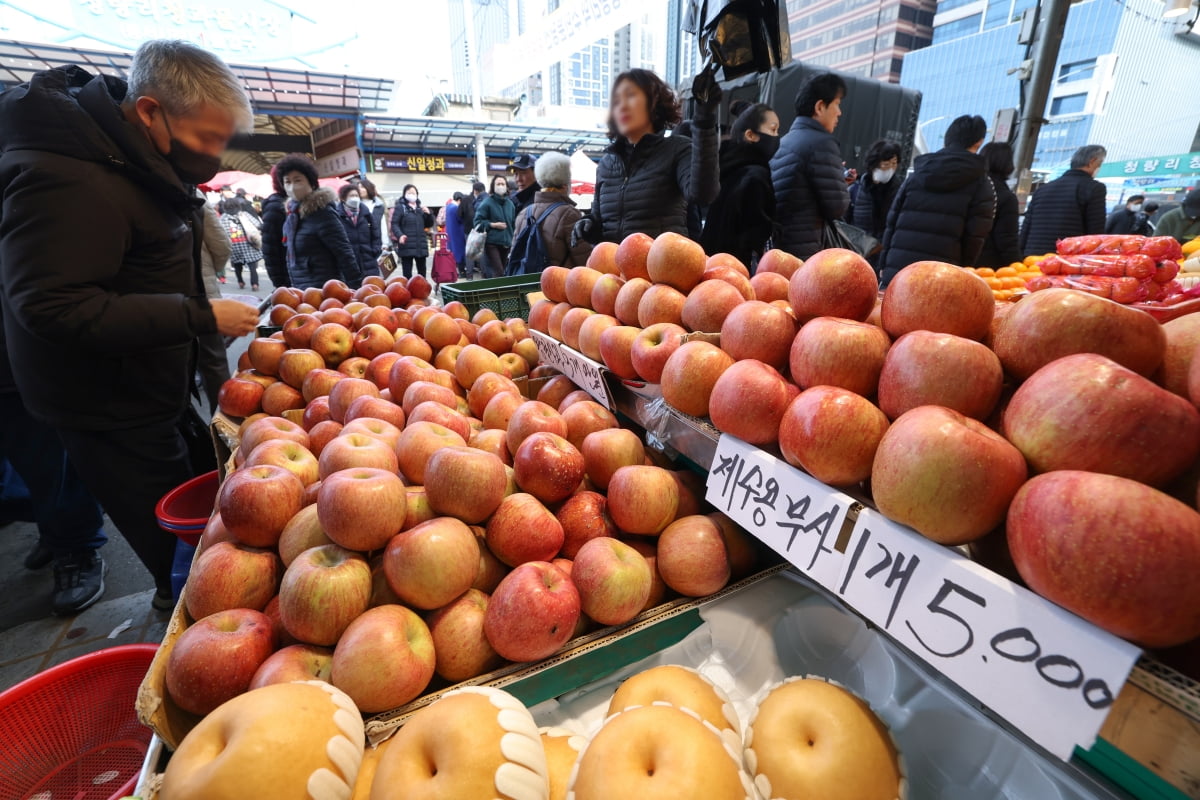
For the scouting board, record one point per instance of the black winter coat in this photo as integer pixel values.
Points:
(742, 218)
(322, 250)
(810, 187)
(1001, 248)
(410, 222)
(525, 198)
(466, 211)
(1071, 205)
(363, 236)
(871, 204)
(274, 212)
(943, 212)
(100, 276)
(646, 188)
(1128, 223)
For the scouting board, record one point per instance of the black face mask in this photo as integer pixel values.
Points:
(191, 166)
(767, 144)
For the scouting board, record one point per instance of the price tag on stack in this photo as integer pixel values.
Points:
(583, 372)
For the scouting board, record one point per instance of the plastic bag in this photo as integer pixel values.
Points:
(1160, 248)
(1136, 265)
(1120, 290)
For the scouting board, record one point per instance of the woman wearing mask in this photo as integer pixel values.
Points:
(410, 220)
(741, 220)
(495, 216)
(872, 194)
(356, 218)
(313, 238)
(245, 238)
(1002, 246)
(273, 213)
(647, 178)
(378, 208)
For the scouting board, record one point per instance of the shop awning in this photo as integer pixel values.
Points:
(440, 136)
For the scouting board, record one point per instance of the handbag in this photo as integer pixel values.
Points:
(849, 237)
(197, 437)
(476, 241)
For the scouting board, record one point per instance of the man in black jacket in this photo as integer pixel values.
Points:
(1071, 205)
(101, 316)
(945, 209)
(1129, 219)
(527, 185)
(809, 178)
(466, 218)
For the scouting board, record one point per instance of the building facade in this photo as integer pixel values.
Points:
(863, 37)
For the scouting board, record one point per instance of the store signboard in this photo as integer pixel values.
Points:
(340, 163)
(448, 165)
(1046, 671)
(583, 372)
(1180, 164)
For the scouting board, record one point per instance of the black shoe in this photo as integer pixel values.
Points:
(163, 602)
(39, 556)
(78, 582)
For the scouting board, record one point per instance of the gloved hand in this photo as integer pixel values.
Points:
(583, 231)
(707, 91)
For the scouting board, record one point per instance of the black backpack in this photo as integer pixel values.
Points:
(528, 255)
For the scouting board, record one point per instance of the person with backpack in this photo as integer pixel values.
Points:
(543, 234)
(496, 216)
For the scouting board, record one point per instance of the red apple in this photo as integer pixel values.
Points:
(579, 285)
(334, 342)
(577, 396)
(355, 451)
(584, 418)
(406, 371)
(760, 331)
(523, 530)
(215, 659)
(946, 475)
(527, 349)
(239, 397)
(458, 639)
(832, 434)
(691, 492)
(735, 278)
(629, 299)
(676, 261)
(338, 290)
(603, 258)
(643, 499)
(572, 324)
(439, 414)
(661, 304)
(613, 580)
(590, 332)
(292, 456)
(839, 352)
(324, 589)
(554, 283)
(265, 381)
(433, 563)
(473, 363)
(749, 400)
(398, 293)
(418, 443)
(692, 558)
(267, 428)
(606, 451)
(833, 283)
(779, 261)
(652, 347)
(769, 286)
(932, 296)
(583, 517)
(380, 369)
(265, 354)
(379, 429)
(923, 368)
(375, 408)
(335, 314)
(418, 507)
(532, 613)
(280, 314)
(322, 434)
(539, 315)
(486, 386)
(691, 373)
(465, 483)
(373, 340)
(555, 390)
(315, 412)
(298, 330)
(533, 417)
(604, 294)
(741, 546)
(616, 350)
(496, 336)
(302, 532)
(362, 508)
(215, 531)
(709, 304)
(279, 398)
(346, 391)
(513, 365)
(294, 366)
(297, 662)
(385, 658)
(319, 383)
(257, 502)
(229, 575)
(423, 391)
(411, 344)
(494, 442)
(632, 255)
(547, 466)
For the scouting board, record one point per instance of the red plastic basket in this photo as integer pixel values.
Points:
(72, 731)
(184, 511)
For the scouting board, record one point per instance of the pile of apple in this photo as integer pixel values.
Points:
(1064, 422)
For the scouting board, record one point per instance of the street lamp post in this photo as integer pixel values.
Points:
(1035, 91)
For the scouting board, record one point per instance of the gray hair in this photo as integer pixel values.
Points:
(183, 77)
(553, 170)
(1087, 154)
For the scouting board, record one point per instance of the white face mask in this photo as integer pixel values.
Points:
(411, 197)
(1136, 207)
(882, 175)
(353, 202)
(501, 189)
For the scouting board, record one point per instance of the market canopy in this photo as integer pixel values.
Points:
(440, 136)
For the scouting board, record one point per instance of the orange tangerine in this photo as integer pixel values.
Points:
(985, 272)
(1006, 272)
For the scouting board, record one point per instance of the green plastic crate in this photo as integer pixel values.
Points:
(505, 296)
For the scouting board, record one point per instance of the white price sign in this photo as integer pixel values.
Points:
(585, 373)
(796, 515)
(1043, 669)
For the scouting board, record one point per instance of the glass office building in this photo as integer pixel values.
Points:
(862, 37)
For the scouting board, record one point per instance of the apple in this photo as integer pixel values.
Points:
(769, 286)
(779, 261)
(945, 475)
(539, 315)
(583, 517)
(287, 296)
(741, 546)
(613, 580)
(279, 398)
(373, 340)
(379, 370)
(280, 314)
(265, 381)
(839, 352)
(833, 283)
(1108, 549)
(632, 256)
(691, 492)
(473, 363)
(297, 662)
(456, 310)
(486, 386)
(690, 374)
(321, 435)
(257, 502)
(547, 466)
(411, 344)
(759, 331)
(377, 409)
(513, 365)
(708, 304)
(298, 330)
(532, 613)
(334, 342)
(659, 304)
(554, 283)
(439, 414)
(346, 391)
(494, 442)
(616, 350)
(605, 292)
(496, 337)
(431, 564)
(584, 418)
(418, 443)
(406, 371)
(924, 368)
(398, 293)
(603, 258)
(499, 411)
(287, 454)
(385, 658)
(447, 357)
(324, 589)
(532, 417)
(294, 366)
(355, 450)
(458, 639)
(315, 412)
(267, 428)
(337, 289)
(265, 354)
(1086, 412)
(319, 383)
(441, 331)
(215, 531)
(379, 314)
(579, 285)
(465, 483)
(692, 557)
(605, 451)
(527, 349)
(523, 530)
(555, 390)
(643, 499)
(932, 296)
(302, 532)
(375, 428)
(362, 508)
(230, 575)
(676, 261)
(590, 332)
(555, 320)
(1183, 337)
(239, 397)
(653, 346)
(336, 314)
(572, 324)
(215, 659)
(423, 391)
(748, 401)
(629, 299)
(577, 396)
(832, 434)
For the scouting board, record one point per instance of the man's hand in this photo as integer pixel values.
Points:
(404, 239)
(499, 225)
(234, 318)
(582, 232)
(706, 90)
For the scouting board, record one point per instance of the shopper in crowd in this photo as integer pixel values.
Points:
(374, 203)
(1151, 210)
(742, 218)
(248, 205)
(556, 210)
(116, 305)
(456, 235)
(945, 209)
(1070, 205)
(525, 179)
(1130, 218)
(736, 109)
(872, 194)
(246, 239)
(810, 184)
(410, 221)
(495, 215)
(695, 215)
(274, 212)
(1001, 247)
(1183, 222)
(215, 249)
(646, 179)
(356, 218)
(313, 237)
(466, 218)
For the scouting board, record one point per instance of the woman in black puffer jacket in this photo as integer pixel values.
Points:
(1002, 246)
(274, 212)
(313, 237)
(410, 220)
(872, 194)
(647, 178)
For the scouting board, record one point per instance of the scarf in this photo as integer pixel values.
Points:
(290, 223)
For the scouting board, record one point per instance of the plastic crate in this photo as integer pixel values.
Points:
(505, 296)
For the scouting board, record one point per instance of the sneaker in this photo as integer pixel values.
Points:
(163, 602)
(78, 582)
(40, 556)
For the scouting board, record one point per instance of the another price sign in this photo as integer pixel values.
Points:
(585, 373)
(1043, 669)
(796, 515)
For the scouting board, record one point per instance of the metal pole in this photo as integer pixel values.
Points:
(1052, 21)
(474, 57)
